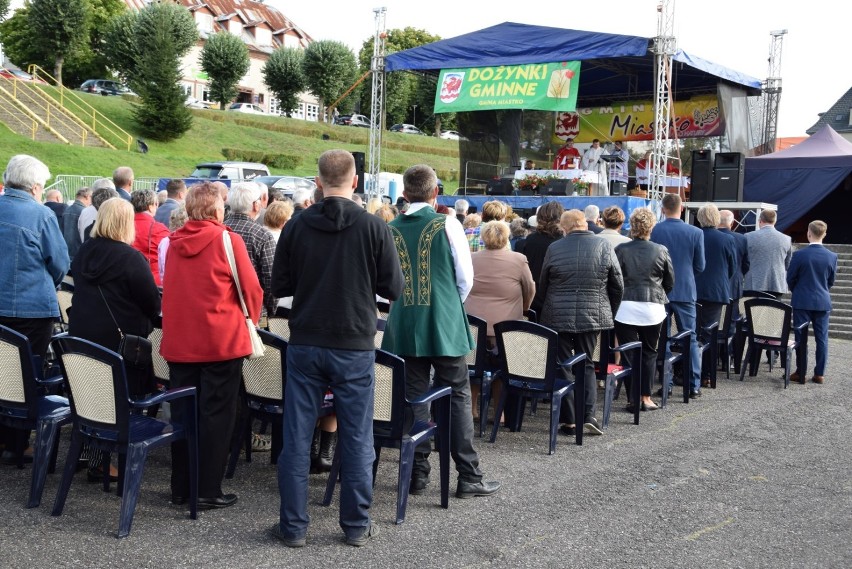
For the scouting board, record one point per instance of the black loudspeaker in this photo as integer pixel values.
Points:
(559, 187)
(702, 176)
(500, 187)
(617, 188)
(728, 177)
(360, 159)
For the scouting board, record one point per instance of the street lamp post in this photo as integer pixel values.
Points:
(414, 115)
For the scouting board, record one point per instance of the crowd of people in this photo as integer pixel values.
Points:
(136, 258)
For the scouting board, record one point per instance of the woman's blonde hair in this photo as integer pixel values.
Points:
(642, 221)
(494, 210)
(278, 214)
(115, 221)
(495, 234)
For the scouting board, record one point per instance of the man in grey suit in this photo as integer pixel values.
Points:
(769, 252)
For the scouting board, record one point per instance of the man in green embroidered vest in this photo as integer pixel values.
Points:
(427, 326)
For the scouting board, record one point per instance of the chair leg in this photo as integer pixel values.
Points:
(579, 409)
(498, 411)
(443, 413)
(333, 474)
(46, 435)
(785, 361)
(609, 389)
(132, 481)
(68, 474)
(636, 395)
(406, 463)
(484, 400)
(555, 407)
(746, 363)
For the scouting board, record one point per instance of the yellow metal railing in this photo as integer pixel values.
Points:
(23, 108)
(47, 109)
(11, 112)
(94, 119)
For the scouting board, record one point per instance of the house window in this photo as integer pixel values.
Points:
(204, 22)
(273, 106)
(311, 112)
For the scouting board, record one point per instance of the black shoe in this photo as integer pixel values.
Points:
(646, 407)
(178, 500)
(677, 380)
(275, 531)
(660, 392)
(362, 540)
(418, 485)
(630, 409)
(9, 457)
(473, 489)
(328, 442)
(568, 431)
(96, 474)
(694, 394)
(223, 501)
(592, 427)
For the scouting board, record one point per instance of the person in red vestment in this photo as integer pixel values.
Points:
(565, 157)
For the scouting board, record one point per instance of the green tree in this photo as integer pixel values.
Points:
(330, 69)
(62, 27)
(283, 75)
(4, 8)
(403, 90)
(225, 58)
(20, 44)
(146, 48)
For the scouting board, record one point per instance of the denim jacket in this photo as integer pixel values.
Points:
(34, 258)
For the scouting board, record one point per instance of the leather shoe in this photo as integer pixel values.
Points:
(817, 379)
(652, 407)
(418, 485)
(178, 500)
(9, 457)
(705, 382)
(474, 489)
(568, 431)
(223, 501)
(660, 392)
(694, 394)
(795, 377)
(275, 531)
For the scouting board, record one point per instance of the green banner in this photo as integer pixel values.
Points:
(538, 86)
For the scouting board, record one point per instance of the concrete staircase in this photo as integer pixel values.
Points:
(28, 110)
(840, 322)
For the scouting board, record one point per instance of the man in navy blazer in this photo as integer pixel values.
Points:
(686, 249)
(741, 265)
(810, 276)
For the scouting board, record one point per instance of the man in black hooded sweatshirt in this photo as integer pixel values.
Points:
(332, 259)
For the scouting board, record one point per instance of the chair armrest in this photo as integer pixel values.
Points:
(802, 326)
(168, 395)
(432, 395)
(680, 336)
(52, 381)
(627, 347)
(712, 326)
(573, 361)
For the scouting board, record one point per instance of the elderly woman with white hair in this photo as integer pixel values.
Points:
(713, 289)
(33, 263)
(245, 199)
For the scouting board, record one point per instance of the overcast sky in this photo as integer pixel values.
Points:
(734, 33)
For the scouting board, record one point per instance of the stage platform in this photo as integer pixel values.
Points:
(526, 205)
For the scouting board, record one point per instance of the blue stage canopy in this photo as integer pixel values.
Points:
(615, 67)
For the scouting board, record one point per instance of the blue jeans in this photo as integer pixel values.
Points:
(819, 322)
(684, 314)
(349, 373)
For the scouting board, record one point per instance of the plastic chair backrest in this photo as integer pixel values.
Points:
(264, 377)
(16, 363)
(65, 299)
(476, 357)
(161, 366)
(527, 351)
(769, 319)
(280, 327)
(389, 400)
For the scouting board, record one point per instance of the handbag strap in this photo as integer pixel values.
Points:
(229, 252)
(120, 333)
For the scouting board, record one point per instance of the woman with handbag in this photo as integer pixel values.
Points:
(114, 295)
(209, 312)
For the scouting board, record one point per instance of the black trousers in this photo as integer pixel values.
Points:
(452, 372)
(218, 384)
(38, 331)
(649, 336)
(579, 343)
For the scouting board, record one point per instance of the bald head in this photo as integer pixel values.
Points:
(726, 219)
(53, 196)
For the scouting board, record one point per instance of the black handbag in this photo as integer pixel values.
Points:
(136, 351)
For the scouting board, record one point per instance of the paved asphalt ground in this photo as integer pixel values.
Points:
(749, 475)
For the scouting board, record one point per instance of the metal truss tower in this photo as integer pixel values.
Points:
(664, 48)
(772, 93)
(377, 106)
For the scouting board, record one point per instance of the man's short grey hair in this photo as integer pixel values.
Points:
(461, 206)
(84, 192)
(24, 171)
(242, 195)
(302, 195)
(726, 217)
(592, 212)
(264, 189)
(51, 195)
(103, 183)
(122, 176)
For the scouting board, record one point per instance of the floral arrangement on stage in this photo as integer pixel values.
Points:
(533, 182)
(581, 186)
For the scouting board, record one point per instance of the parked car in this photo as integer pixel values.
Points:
(353, 120)
(194, 103)
(230, 170)
(19, 75)
(287, 184)
(407, 129)
(105, 87)
(452, 135)
(247, 108)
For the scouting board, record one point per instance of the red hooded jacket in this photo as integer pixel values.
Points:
(149, 233)
(202, 317)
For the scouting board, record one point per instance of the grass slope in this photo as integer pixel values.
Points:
(213, 131)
